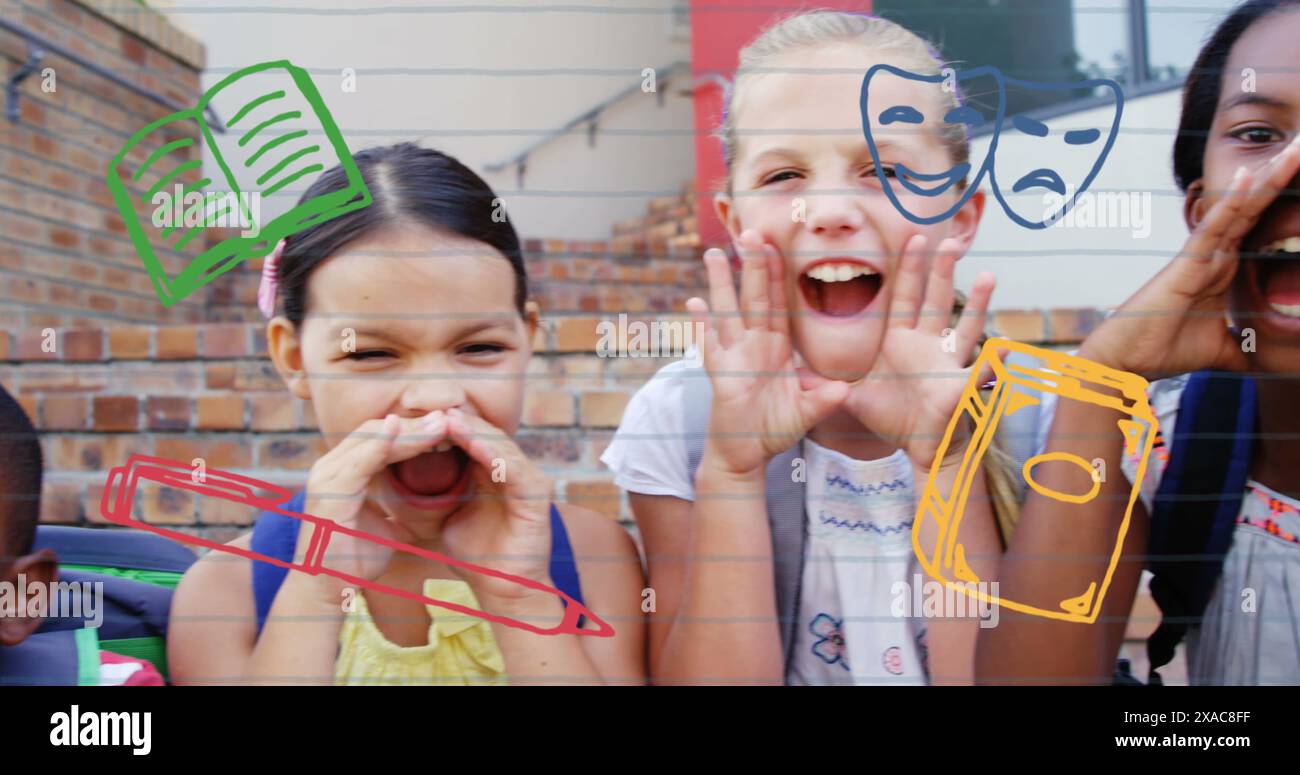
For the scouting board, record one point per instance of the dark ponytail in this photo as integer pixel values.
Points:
(1202, 89)
(408, 184)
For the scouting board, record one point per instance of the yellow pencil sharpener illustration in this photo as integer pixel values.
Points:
(1016, 388)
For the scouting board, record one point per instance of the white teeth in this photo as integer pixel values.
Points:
(1288, 245)
(443, 447)
(839, 273)
(1290, 310)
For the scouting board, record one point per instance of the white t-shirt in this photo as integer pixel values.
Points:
(859, 522)
(860, 517)
(648, 453)
(1251, 630)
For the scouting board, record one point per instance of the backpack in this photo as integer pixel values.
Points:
(786, 513)
(1195, 508)
(138, 572)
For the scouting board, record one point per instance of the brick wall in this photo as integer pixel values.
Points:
(208, 391)
(648, 265)
(65, 258)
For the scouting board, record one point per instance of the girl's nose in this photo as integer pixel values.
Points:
(426, 393)
(832, 216)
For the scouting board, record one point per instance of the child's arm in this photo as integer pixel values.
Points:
(507, 528)
(951, 641)
(724, 628)
(1173, 325)
(612, 582)
(212, 626)
(214, 633)
(1057, 552)
(927, 375)
(664, 524)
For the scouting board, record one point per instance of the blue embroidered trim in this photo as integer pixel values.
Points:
(870, 527)
(835, 480)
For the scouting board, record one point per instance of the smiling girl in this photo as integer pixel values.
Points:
(837, 371)
(1219, 329)
(407, 326)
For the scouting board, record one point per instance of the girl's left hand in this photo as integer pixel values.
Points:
(507, 527)
(910, 393)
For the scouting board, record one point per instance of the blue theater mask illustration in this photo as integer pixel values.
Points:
(1041, 173)
(894, 129)
(1036, 174)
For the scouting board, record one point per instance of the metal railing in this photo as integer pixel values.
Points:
(590, 117)
(36, 48)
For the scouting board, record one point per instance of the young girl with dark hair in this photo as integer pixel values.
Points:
(407, 326)
(1219, 330)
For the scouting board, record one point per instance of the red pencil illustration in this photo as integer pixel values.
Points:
(119, 498)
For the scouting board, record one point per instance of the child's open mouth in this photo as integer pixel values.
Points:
(839, 288)
(433, 480)
(1277, 276)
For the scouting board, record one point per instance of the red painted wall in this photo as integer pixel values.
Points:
(719, 28)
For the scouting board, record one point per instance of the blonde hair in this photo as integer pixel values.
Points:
(1000, 474)
(822, 28)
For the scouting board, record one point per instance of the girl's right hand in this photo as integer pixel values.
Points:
(759, 407)
(337, 487)
(1176, 322)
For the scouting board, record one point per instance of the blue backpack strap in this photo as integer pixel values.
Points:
(1196, 505)
(787, 520)
(274, 535)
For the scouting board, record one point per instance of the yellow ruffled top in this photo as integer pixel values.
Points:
(461, 650)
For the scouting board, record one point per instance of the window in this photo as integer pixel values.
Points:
(1144, 45)
(679, 21)
(1176, 29)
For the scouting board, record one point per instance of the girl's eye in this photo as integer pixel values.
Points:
(780, 176)
(482, 348)
(870, 172)
(1258, 134)
(367, 355)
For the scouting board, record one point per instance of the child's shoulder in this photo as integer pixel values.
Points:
(610, 567)
(594, 534)
(672, 378)
(220, 574)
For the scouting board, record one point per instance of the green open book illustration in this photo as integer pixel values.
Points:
(283, 135)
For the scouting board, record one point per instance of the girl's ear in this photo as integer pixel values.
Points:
(41, 568)
(726, 211)
(965, 223)
(1194, 205)
(532, 319)
(286, 353)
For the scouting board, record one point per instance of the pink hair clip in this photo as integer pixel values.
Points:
(266, 290)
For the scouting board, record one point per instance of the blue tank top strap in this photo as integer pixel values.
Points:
(276, 535)
(564, 569)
